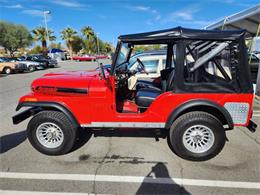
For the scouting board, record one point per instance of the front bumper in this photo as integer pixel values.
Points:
(24, 115)
(20, 67)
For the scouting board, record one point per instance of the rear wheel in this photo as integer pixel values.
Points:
(51, 133)
(7, 70)
(197, 136)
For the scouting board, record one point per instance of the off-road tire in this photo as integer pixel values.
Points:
(31, 68)
(60, 120)
(188, 120)
(7, 70)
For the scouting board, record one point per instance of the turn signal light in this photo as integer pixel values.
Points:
(30, 100)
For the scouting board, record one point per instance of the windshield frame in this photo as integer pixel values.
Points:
(117, 53)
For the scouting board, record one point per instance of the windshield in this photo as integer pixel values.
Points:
(123, 54)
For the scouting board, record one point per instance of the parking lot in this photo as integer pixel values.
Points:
(114, 165)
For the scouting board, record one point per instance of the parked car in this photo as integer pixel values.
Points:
(84, 58)
(31, 65)
(46, 62)
(253, 64)
(7, 67)
(102, 57)
(195, 102)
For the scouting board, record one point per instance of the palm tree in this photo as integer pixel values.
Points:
(68, 34)
(88, 32)
(108, 47)
(39, 34)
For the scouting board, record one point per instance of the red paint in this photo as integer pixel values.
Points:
(99, 103)
(102, 57)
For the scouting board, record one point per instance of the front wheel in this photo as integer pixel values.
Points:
(31, 68)
(197, 136)
(51, 133)
(7, 70)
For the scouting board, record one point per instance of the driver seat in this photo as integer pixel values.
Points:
(145, 96)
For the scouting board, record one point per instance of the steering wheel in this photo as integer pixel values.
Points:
(142, 66)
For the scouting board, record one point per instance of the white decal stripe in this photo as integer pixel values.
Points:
(131, 179)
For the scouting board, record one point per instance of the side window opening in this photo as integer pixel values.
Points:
(210, 61)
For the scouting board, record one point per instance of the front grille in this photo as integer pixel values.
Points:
(21, 66)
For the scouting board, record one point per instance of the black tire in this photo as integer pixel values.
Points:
(196, 120)
(59, 119)
(31, 68)
(7, 70)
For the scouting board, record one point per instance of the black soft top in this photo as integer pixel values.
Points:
(182, 33)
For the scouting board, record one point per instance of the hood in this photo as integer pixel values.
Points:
(64, 81)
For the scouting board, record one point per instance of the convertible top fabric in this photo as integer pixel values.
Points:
(182, 33)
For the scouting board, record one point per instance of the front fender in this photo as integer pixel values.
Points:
(39, 106)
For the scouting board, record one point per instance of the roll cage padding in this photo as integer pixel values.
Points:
(50, 106)
(201, 105)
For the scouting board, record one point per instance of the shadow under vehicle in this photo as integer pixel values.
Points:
(205, 93)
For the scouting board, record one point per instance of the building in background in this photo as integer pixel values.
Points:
(57, 54)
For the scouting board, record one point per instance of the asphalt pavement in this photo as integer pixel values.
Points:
(118, 165)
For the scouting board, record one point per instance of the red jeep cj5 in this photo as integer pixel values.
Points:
(204, 90)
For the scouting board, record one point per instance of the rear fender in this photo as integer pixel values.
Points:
(202, 105)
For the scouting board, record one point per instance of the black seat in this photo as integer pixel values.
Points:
(145, 96)
(141, 84)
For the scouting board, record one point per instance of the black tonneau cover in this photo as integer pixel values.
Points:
(182, 33)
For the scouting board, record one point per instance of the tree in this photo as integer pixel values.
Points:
(77, 44)
(90, 41)
(36, 50)
(13, 37)
(68, 34)
(40, 34)
(57, 46)
(88, 32)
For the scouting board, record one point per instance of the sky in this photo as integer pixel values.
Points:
(111, 18)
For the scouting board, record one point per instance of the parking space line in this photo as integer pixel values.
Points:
(131, 179)
(11, 192)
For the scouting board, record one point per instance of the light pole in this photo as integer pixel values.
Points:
(97, 45)
(46, 27)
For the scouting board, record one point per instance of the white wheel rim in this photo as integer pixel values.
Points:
(8, 71)
(198, 139)
(49, 135)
